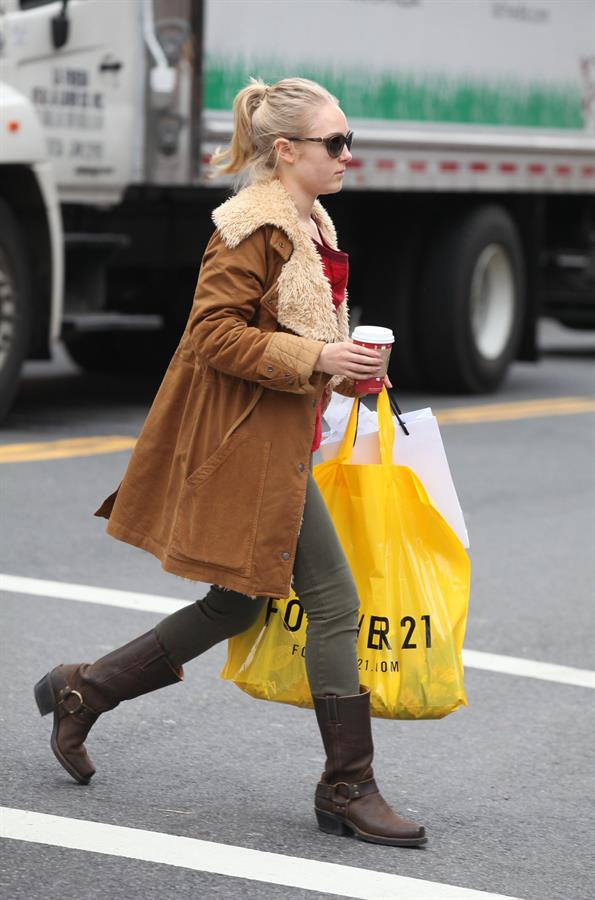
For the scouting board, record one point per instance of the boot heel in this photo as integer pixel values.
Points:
(44, 695)
(331, 824)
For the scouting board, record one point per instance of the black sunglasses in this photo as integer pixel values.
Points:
(334, 144)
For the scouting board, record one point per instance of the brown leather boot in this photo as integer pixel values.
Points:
(78, 694)
(347, 799)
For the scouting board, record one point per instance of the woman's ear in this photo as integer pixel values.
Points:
(285, 150)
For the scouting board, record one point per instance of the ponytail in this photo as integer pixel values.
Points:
(242, 150)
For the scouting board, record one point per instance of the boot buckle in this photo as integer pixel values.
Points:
(342, 800)
(68, 692)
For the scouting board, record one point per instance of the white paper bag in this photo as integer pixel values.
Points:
(422, 451)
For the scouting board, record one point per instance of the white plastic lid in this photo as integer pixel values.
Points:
(373, 334)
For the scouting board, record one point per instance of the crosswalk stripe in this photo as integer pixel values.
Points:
(153, 603)
(225, 859)
(85, 593)
(528, 668)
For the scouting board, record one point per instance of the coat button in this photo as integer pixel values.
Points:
(281, 245)
(301, 467)
(285, 555)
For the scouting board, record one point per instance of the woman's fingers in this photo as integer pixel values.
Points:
(351, 360)
(367, 369)
(358, 351)
(368, 361)
(371, 365)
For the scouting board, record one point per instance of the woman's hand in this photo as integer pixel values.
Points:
(387, 382)
(349, 359)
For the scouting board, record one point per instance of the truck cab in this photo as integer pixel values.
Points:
(31, 243)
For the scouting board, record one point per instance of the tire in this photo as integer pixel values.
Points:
(471, 303)
(15, 306)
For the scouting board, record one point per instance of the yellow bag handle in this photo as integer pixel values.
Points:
(386, 428)
(386, 431)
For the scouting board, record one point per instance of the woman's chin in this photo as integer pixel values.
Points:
(333, 187)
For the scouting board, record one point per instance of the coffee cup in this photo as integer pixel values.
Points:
(376, 338)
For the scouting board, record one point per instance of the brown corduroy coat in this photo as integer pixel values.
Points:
(216, 485)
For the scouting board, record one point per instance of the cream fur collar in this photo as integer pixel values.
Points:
(304, 304)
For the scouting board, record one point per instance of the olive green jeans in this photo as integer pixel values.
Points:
(324, 584)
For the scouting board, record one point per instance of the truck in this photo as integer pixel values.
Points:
(468, 209)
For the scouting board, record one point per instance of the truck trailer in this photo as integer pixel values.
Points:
(468, 210)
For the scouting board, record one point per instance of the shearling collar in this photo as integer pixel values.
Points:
(304, 304)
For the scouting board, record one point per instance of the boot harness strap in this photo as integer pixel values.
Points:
(342, 793)
(81, 709)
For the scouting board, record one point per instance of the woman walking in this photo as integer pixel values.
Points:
(219, 486)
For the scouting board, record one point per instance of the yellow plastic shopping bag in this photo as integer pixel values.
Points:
(412, 575)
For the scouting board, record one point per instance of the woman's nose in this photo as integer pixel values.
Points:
(346, 155)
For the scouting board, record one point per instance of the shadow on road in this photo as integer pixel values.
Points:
(58, 393)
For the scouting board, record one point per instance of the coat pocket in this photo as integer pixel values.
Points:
(219, 507)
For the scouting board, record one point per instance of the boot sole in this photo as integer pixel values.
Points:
(46, 703)
(332, 824)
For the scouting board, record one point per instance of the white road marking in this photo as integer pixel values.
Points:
(528, 668)
(225, 859)
(473, 659)
(85, 593)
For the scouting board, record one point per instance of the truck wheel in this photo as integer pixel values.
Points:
(15, 306)
(471, 302)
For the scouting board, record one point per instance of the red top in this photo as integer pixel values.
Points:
(335, 265)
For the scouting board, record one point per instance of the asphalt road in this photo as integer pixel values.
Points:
(504, 786)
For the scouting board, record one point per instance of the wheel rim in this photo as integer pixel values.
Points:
(7, 310)
(492, 301)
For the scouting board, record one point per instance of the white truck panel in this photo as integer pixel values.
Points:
(45, 178)
(23, 138)
(88, 94)
(441, 94)
(24, 144)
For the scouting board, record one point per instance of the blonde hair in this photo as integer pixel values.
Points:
(261, 114)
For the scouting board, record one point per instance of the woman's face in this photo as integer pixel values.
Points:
(308, 163)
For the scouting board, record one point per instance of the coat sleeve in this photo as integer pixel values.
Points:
(346, 387)
(227, 297)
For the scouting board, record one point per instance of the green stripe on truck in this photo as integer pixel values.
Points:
(401, 96)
